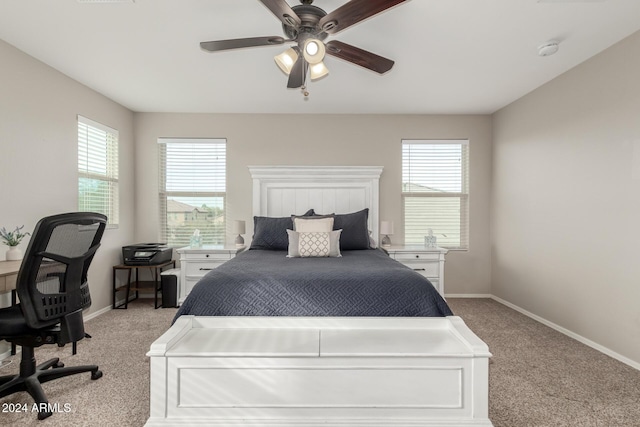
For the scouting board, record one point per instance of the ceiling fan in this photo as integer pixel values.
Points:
(308, 26)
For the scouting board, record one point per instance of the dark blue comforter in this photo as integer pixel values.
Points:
(360, 283)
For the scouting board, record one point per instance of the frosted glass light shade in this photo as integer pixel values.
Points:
(318, 70)
(313, 51)
(286, 60)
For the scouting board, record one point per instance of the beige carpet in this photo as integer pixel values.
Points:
(538, 377)
(120, 340)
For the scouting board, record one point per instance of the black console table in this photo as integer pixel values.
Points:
(139, 285)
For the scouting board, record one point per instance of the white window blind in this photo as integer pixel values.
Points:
(192, 190)
(435, 191)
(98, 169)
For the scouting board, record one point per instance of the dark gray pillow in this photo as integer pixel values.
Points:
(355, 230)
(271, 233)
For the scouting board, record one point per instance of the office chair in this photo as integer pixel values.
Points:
(53, 291)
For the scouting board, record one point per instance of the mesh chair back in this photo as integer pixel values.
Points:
(52, 282)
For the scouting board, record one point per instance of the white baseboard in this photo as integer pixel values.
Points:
(108, 308)
(97, 313)
(468, 296)
(570, 334)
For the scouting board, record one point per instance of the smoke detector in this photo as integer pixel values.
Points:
(549, 48)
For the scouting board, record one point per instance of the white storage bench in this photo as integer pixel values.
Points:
(285, 371)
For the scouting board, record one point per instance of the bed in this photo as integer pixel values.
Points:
(350, 339)
(359, 283)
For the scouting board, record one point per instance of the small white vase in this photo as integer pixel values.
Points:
(14, 254)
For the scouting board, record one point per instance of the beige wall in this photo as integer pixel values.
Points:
(301, 139)
(566, 200)
(38, 154)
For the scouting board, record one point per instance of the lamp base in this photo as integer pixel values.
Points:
(239, 241)
(386, 241)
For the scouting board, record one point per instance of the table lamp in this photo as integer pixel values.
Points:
(239, 229)
(386, 228)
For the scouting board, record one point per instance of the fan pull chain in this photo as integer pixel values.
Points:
(304, 91)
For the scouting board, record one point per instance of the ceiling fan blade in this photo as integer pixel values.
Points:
(283, 12)
(215, 46)
(353, 12)
(359, 56)
(297, 74)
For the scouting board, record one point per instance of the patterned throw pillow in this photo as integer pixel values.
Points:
(314, 244)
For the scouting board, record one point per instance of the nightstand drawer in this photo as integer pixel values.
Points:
(413, 256)
(204, 257)
(199, 269)
(427, 269)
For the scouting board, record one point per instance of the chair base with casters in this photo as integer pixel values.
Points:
(32, 376)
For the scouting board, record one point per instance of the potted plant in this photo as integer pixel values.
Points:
(13, 239)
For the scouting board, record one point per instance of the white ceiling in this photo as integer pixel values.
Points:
(452, 56)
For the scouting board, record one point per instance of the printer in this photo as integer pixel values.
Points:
(146, 254)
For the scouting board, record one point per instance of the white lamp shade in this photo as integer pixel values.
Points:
(238, 227)
(313, 51)
(318, 70)
(286, 60)
(386, 227)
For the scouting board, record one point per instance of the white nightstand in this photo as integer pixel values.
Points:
(427, 261)
(196, 262)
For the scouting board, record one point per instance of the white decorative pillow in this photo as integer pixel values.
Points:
(313, 225)
(314, 244)
(372, 241)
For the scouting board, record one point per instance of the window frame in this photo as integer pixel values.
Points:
(111, 156)
(463, 196)
(163, 194)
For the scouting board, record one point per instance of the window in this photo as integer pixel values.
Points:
(435, 192)
(98, 169)
(192, 190)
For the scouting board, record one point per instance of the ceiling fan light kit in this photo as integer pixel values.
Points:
(286, 60)
(318, 70)
(313, 51)
(308, 26)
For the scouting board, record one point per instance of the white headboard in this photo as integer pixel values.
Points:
(284, 190)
